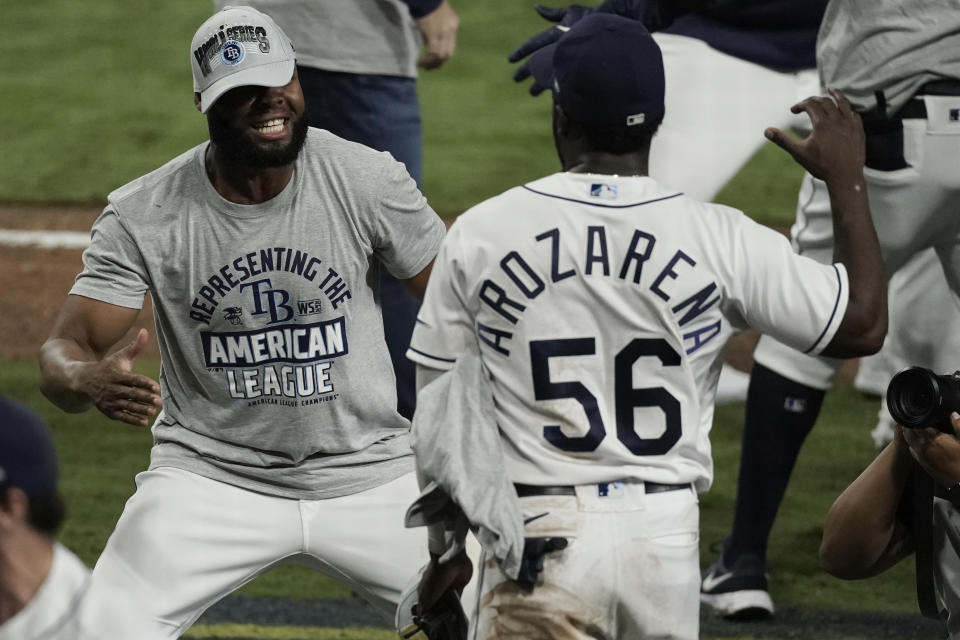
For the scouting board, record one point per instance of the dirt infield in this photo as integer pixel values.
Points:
(33, 281)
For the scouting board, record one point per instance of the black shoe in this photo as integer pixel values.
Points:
(738, 592)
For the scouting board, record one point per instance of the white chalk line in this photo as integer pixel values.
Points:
(45, 239)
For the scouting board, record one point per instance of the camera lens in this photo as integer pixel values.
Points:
(913, 397)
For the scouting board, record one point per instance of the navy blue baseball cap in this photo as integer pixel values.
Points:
(608, 73)
(28, 458)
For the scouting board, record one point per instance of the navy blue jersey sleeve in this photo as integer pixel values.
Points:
(780, 34)
(420, 8)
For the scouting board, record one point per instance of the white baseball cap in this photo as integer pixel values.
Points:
(236, 47)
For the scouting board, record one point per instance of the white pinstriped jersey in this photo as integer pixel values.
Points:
(600, 306)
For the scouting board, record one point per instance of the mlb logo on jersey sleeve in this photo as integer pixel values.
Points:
(604, 191)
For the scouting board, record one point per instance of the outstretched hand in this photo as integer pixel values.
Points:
(834, 150)
(119, 393)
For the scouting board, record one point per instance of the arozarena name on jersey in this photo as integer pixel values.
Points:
(241, 33)
(306, 351)
(525, 281)
(242, 271)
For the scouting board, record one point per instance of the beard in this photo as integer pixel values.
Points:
(237, 145)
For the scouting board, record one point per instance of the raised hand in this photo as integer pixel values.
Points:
(834, 150)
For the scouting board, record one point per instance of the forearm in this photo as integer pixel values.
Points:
(861, 536)
(856, 247)
(62, 362)
(436, 539)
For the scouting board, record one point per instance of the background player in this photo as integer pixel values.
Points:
(599, 301)
(357, 63)
(278, 438)
(909, 111)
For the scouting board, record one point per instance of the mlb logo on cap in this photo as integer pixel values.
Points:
(236, 47)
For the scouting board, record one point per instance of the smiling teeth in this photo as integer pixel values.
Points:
(270, 126)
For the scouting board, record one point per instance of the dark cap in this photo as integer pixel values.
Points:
(28, 458)
(608, 73)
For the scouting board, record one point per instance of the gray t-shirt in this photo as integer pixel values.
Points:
(275, 374)
(354, 36)
(892, 46)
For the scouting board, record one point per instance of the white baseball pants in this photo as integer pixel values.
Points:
(184, 542)
(631, 569)
(717, 107)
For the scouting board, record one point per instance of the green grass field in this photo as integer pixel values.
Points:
(100, 94)
(100, 458)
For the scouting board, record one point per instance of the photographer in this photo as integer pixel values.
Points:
(869, 528)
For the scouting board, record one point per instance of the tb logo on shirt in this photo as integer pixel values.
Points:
(267, 300)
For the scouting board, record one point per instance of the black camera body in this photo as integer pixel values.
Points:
(917, 398)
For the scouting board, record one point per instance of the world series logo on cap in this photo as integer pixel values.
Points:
(232, 52)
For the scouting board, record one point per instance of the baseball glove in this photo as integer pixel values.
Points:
(444, 621)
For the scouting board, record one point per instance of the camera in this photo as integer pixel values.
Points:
(918, 398)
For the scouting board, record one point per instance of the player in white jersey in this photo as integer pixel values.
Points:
(279, 438)
(730, 70)
(598, 301)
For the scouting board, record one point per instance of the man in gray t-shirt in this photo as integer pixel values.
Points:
(357, 62)
(276, 434)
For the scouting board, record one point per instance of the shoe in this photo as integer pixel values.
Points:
(738, 592)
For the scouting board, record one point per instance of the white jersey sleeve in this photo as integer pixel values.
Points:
(444, 314)
(797, 300)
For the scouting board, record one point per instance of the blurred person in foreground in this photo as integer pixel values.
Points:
(41, 581)
(870, 527)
